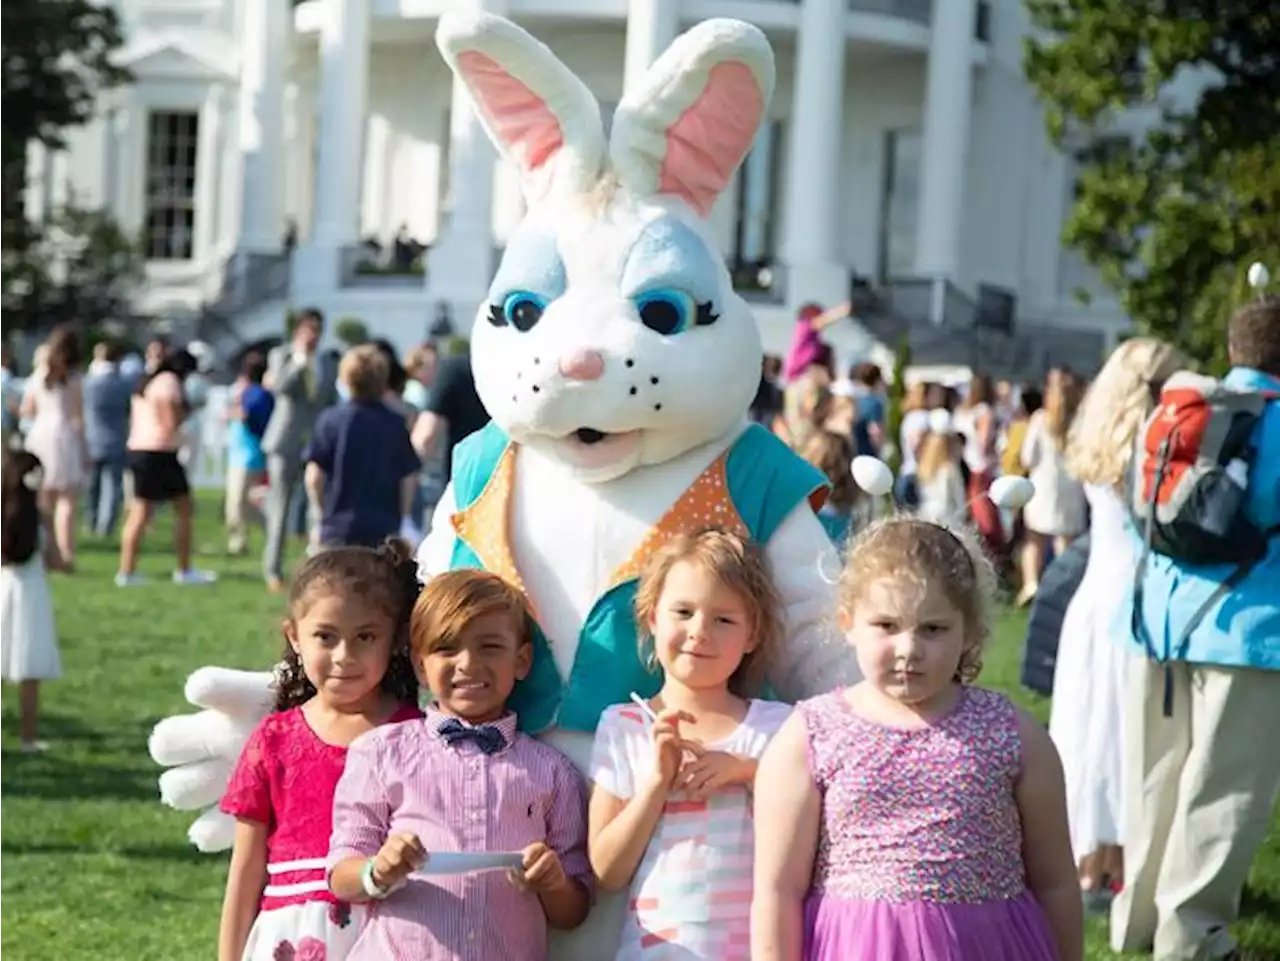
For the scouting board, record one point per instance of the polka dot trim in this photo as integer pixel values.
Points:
(705, 503)
(483, 525)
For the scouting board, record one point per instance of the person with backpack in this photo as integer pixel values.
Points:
(1204, 497)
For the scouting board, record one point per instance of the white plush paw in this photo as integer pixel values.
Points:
(201, 750)
(212, 831)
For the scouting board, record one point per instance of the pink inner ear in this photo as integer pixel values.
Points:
(520, 119)
(707, 143)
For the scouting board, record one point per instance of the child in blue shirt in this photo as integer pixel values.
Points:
(248, 411)
(1200, 787)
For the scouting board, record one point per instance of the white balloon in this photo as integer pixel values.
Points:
(872, 475)
(940, 420)
(1258, 276)
(1011, 493)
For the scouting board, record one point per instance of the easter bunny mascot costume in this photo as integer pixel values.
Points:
(618, 365)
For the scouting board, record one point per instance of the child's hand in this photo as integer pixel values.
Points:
(668, 746)
(400, 856)
(711, 770)
(541, 871)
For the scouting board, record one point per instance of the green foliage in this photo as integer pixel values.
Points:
(81, 268)
(352, 331)
(897, 393)
(57, 58)
(1174, 216)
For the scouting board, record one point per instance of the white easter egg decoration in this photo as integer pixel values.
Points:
(940, 420)
(872, 475)
(1259, 276)
(1011, 493)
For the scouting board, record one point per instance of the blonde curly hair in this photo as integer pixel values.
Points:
(1100, 441)
(916, 555)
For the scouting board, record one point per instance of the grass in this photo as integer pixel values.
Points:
(98, 868)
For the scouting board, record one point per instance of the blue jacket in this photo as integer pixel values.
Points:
(107, 399)
(1243, 628)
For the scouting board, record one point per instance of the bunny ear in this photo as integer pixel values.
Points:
(685, 129)
(537, 113)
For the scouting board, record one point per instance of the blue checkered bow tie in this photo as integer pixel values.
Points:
(487, 737)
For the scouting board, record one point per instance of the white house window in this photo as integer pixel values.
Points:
(171, 184)
(899, 203)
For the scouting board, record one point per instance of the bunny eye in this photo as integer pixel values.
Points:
(669, 311)
(519, 309)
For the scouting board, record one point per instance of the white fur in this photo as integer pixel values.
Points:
(578, 163)
(704, 387)
(200, 750)
(212, 832)
(637, 141)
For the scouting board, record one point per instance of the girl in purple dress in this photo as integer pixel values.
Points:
(914, 817)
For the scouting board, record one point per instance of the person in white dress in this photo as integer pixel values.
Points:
(939, 481)
(28, 640)
(53, 399)
(1056, 512)
(1089, 677)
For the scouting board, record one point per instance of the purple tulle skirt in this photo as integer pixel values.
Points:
(847, 930)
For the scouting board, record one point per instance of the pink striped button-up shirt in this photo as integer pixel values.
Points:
(405, 778)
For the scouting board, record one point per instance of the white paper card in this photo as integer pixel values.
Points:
(468, 862)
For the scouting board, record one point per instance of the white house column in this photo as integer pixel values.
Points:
(948, 110)
(459, 265)
(814, 271)
(344, 69)
(264, 50)
(208, 165)
(755, 197)
(651, 26)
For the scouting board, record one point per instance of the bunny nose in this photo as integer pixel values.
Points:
(582, 365)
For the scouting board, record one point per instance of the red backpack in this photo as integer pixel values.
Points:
(1190, 472)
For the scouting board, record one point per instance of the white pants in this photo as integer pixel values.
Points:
(1201, 786)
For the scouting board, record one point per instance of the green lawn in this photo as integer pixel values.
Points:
(97, 868)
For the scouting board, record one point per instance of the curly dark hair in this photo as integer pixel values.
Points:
(386, 576)
(1253, 337)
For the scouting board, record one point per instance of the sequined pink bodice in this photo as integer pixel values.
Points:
(911, 815)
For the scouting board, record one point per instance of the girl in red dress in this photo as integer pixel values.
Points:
(346, 670)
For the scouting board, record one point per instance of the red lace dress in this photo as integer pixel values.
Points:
(285, 779)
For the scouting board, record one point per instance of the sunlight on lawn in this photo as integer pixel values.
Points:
(96, 868)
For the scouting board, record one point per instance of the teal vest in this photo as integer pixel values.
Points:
(765, 480)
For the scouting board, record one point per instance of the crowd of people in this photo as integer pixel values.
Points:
(1143, 789)
(349, 449)
(953, 442)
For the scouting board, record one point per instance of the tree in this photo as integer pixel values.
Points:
(56, 60)
(1174, 215)
(352, 331)
(86, 270)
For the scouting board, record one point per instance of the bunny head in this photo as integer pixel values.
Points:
(611, 336)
